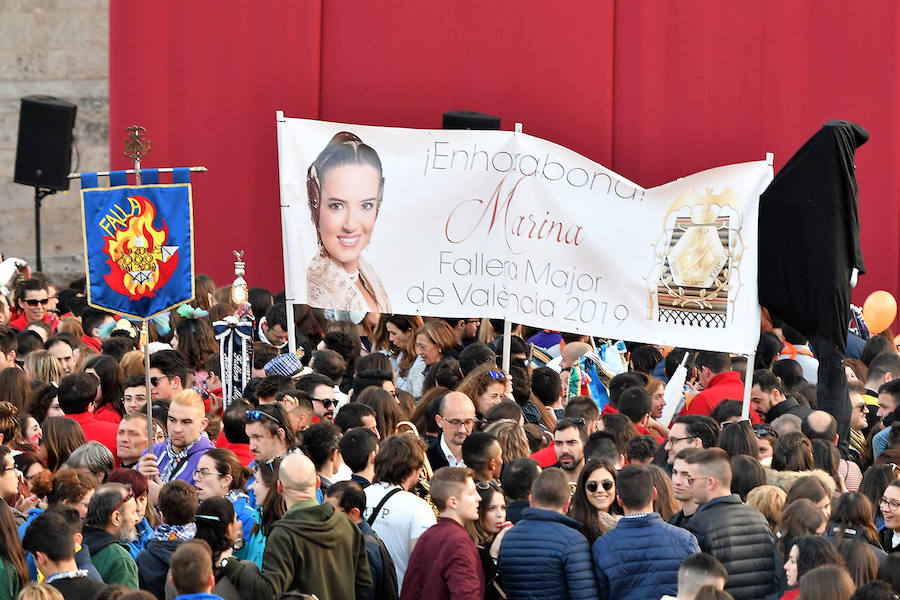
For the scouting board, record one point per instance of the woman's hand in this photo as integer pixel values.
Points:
(498, 539)
(26, 503)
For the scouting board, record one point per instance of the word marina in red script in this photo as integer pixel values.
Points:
(518, 228)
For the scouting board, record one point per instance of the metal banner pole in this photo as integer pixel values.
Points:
(145, 339)
(748, 385)
(507, 325)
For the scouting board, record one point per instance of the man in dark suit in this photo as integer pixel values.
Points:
(456, 418)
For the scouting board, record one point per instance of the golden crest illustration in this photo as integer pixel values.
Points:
(697, 260)
(139, 258)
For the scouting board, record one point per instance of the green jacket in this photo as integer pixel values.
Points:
(312, 549)
(111, 557)
(9, 581)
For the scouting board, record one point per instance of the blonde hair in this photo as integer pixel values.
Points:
(43, 366)
(40, 591)
(769, 500)
(191, 399)
(132, 363)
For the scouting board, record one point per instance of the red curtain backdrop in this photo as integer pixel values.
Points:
(651, 90)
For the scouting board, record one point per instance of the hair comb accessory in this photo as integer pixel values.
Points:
(161, 322)
(314, 177)
(104, 330)
(189, 312)
(207, 517)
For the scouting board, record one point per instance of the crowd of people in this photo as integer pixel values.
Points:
(395, 458)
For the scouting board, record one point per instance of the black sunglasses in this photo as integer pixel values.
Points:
(154, 381)
(763, 430)
(592, 486)
(329, 403)
(35, 301)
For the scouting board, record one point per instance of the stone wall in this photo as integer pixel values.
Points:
(57, 48)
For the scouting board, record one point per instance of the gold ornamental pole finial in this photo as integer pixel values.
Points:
(136, 148)
(136, 145)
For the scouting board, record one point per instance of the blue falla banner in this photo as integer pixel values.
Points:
(507, 225)
(138, 244)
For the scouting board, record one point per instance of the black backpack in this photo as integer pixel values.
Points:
(388, 588)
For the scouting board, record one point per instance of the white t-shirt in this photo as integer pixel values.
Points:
(402, 519)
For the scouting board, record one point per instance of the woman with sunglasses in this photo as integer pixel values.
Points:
(766, 438)
(486, 533)
(220, 474)
(486, 386)
(594, 502)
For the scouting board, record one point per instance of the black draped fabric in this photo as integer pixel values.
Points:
(809, 244)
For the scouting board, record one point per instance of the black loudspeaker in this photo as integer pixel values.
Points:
(470, 119)
(44, 149)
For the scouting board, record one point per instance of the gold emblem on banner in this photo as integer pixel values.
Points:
(698, 258)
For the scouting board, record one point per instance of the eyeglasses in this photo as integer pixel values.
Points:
(861, 408)
(468, 423)
(5, 469)
(35, 301)
(154, 381)
(327, 402)
(498, 375)
(127, 497)
(592, 486)
(671, 441)
(198, 473)
(892, 504)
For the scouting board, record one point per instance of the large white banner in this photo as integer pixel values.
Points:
(501, 224)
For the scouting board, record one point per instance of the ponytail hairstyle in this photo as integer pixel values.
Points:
(227, 463)
(212, 519)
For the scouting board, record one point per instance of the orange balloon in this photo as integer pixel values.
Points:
(879, 311)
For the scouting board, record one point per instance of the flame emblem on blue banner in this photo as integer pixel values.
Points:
(138, 248)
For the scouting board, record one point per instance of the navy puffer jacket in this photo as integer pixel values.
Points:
(153, 565)
(640, 558)
(545, 557)
(739, 536)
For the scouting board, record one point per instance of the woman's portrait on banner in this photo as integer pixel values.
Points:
(345, 185)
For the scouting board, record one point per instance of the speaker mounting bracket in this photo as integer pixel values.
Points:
(39, 194)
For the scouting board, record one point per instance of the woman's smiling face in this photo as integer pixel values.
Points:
(347, 212)
(601, 498)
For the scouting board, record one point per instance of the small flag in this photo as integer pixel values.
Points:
(138, 245)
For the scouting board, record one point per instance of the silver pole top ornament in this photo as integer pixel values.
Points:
(239, 286)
